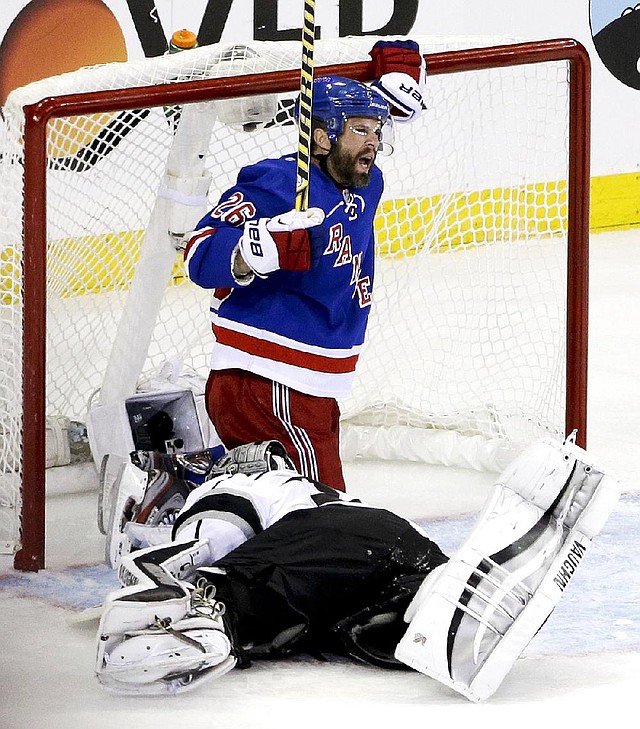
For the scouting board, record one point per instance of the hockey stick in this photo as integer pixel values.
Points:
(304, 112)
(87, 615)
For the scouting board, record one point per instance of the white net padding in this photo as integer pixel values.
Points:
(467, 336)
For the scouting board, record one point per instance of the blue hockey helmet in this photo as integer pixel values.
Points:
(336, 99)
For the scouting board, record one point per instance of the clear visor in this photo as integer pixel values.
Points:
(383, 131)
(387, 138)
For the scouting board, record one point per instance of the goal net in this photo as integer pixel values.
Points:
(480, 239)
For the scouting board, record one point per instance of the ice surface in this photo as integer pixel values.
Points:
(582, 666)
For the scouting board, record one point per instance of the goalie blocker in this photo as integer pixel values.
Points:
(473, 616)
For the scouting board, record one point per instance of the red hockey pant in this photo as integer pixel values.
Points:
(245, 408)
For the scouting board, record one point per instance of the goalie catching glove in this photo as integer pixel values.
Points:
(400, 70)
(279, 243)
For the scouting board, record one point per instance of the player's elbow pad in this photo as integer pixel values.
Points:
(204, 262)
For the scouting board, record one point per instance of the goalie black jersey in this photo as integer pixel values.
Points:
(336, 579)
(301, 566)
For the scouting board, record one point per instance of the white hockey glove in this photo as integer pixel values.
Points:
(279, 243)
(401, 71)
(403, 94)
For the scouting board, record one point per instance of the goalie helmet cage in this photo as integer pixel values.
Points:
(420, 230)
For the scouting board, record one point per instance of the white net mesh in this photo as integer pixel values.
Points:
(467, 332)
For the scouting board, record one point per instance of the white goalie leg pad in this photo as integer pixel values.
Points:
(160, 647)
(160, 635)
(167, 660)
(110, 468)
(127, 490)
(125, 613)
(473, 616)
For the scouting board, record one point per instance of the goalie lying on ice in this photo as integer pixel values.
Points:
(263, 565)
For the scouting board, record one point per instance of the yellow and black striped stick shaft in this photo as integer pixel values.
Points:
(304, 111)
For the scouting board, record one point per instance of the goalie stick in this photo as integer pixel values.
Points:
(87, 615)
(306, 101)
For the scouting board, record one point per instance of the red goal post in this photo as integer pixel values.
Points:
(31, 555)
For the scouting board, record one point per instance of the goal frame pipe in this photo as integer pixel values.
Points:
(31, 555)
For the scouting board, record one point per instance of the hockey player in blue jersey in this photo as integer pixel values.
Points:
(293, 288)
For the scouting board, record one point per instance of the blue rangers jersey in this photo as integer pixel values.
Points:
(302, 329)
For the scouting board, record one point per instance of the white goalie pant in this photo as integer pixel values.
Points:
(474, 615)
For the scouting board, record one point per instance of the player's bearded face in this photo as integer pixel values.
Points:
(352, 156)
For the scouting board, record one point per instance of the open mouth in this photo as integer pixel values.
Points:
(365, 161)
